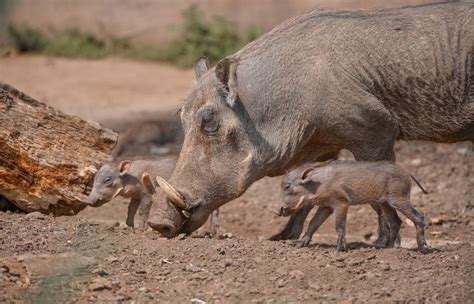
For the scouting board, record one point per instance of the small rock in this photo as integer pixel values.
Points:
(227, 262)
(35, 215)
(197, 301)
(135, 252)
(182, 236)
(100, 284)
(464, 151)
(438, 220)
(281, 283)
(314, 286)
(356, 262)
(297, 274)
(100, 272)
(221, 251)
(370, 275)
(112, 226)
(226, 235)
(143, 289)
(371, 257)
(367, 235)
(385, 266)
(112, 259)
(415, 162)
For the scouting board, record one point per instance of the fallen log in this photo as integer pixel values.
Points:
(47, 158)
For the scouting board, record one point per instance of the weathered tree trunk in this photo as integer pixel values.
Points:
(47, 158)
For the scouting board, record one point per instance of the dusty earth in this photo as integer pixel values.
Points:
(94, 257)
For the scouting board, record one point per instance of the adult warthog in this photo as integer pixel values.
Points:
(312, 86)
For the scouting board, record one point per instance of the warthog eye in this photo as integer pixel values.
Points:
(286, 187)
(108, 180)
(209, 123)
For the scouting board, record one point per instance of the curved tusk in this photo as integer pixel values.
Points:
(146, 182)
(300, 203)
(175, 197)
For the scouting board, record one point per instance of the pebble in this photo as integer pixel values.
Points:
(182, 236)
(35, 215)
(464, 151)
(385, 267)
(367, 235)
(297, 274)
(281, 283)
(227, 262)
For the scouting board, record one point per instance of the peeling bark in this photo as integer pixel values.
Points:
(47, 158)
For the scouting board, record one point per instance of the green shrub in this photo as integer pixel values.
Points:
(215, 39)
(25, 39)
(74, 44)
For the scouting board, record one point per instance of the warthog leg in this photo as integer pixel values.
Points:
(294, 227)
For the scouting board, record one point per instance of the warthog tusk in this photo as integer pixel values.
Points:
(175, 197)
(117, 193)
(300, 203)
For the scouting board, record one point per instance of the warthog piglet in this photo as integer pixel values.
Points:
(335, 185)
(124, 178)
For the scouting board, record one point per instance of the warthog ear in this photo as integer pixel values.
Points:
(124, 166)
(305, 173)
(226, 73)
(201, 67)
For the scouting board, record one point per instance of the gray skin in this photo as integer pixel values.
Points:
(124, 179)
(336, 185)
(316, 84)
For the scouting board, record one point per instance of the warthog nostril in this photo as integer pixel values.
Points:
(165, 230)
(283, 210)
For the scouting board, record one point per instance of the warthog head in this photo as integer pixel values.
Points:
(217, 158)
(297, 190)
(107, 183)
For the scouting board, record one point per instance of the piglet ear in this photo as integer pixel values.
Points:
(305, 174)
(124, 166)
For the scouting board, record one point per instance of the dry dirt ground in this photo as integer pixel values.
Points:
(94, 257)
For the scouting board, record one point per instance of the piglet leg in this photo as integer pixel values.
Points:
(321, 215)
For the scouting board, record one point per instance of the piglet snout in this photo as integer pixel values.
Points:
(92, 200)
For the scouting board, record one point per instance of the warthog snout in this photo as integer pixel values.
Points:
(164, 226)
